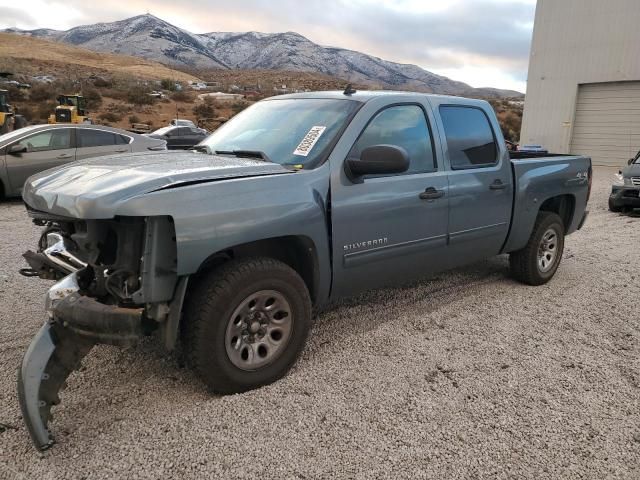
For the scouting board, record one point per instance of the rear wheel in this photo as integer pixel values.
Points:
(538, 261)
(245, 324)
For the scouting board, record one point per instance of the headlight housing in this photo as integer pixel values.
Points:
(618, 179)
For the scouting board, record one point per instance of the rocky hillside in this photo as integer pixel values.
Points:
(33, 56)
(154, 39)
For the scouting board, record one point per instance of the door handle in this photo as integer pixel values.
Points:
(64, 155)
(431, 194)
(497, 185)
(121, 150)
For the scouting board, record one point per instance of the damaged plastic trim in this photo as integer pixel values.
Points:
(76, 324)
(58, 252)
(50, 359)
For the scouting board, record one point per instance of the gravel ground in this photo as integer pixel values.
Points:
(468, 375)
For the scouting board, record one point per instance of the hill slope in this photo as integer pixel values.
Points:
(155, 39)
(31, 55)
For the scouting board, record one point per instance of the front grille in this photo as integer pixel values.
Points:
(631, 193)
(635, 181)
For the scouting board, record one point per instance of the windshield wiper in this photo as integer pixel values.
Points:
(245, 154)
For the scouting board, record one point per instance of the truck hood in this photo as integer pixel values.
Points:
(94, 188)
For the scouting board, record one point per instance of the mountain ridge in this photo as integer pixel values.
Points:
(155, 39)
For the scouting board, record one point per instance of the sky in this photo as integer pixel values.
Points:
(484, 43)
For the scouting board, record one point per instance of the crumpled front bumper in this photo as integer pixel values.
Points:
(625, 196)
(76, 323)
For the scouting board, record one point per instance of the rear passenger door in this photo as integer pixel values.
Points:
(175, 138)
(480, 183)
(189, 136)
(93, 142)
(385, 230)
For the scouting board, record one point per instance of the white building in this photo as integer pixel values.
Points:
(583, 87)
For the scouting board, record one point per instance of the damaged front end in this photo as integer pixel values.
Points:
(117, 282)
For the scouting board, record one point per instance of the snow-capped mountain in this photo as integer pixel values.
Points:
(154, 39)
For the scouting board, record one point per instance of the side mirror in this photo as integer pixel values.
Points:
(378, 160)
(17, 149)
(630, 161)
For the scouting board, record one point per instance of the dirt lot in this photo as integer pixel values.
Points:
(469, 375)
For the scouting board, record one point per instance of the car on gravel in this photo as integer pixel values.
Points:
(180, 137)
(182, 122)
(297, 201)
(625, 191)
(40, 147)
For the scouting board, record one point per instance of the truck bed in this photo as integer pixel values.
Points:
(537, 178)
(516, 155)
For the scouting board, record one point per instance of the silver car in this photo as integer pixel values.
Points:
(40, 147)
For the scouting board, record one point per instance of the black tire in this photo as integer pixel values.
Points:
(209, 307)
(525, 265)
(613, 207)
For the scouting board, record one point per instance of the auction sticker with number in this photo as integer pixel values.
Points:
(309, 141)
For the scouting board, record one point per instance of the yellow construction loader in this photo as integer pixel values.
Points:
(70, 109)
(6, 112)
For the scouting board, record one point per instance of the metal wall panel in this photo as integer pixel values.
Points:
(578, 42)
(607, 122)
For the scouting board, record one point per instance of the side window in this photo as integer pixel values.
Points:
(55, 139)
(469, 137)
(403, 126)
(122, 140)
(94, 138)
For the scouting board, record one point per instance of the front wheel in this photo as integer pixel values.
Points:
(245, 324)
(538, 261)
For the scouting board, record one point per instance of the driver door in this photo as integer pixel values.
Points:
(386, 231)
(44, 150)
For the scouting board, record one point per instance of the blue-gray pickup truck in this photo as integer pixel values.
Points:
(297, 201)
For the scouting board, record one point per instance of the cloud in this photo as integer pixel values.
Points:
(457, 35)
(12, 16)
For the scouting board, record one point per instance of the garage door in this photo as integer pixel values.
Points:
(607, 122)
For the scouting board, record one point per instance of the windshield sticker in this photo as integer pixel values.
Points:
(309, 141)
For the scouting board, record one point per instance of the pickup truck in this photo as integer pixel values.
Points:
(297, 201)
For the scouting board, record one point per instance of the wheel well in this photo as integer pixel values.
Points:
(563, 205)
(2, 191)
(298, 252)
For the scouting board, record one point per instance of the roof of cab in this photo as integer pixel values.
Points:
(364, 96)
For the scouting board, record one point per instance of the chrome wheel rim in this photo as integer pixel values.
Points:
(259, 330)
(548, 250)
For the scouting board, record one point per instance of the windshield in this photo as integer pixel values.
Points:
(288, 131)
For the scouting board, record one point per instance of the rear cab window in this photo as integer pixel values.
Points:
(470, 138)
